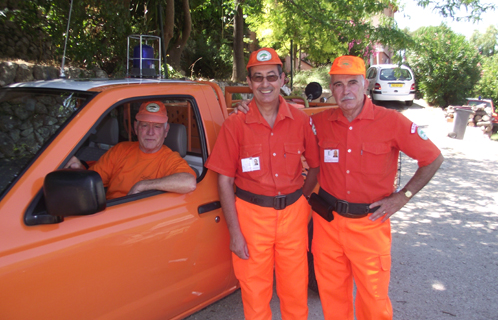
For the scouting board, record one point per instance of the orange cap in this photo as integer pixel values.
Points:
(263, 56)
(348, 65)
(152, 111)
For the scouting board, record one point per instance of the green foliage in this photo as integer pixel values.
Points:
(487, 42)
(324, 29)
(209, 50)
(320, 75)
(446, 65)
(487, 87)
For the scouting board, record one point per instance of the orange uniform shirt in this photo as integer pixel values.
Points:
(263, 160)
(359, 159)
(125, 164)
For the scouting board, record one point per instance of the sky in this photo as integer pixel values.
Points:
(414, 17)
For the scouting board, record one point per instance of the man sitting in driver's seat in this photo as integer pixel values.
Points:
(133, 167)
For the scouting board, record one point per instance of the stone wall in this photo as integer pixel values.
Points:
(13, 72)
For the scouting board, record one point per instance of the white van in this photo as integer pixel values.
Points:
(390, 82)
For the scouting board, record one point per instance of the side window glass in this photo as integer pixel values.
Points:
(28, 119)
(118, 126)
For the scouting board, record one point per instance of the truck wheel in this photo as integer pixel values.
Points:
(312, 284)
(409, 103)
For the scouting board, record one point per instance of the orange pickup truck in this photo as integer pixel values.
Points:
(66, 252)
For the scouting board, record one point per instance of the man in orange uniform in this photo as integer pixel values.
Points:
(359, 146)
(261, 153)
(133, 167)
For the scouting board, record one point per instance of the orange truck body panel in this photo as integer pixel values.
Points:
(153, 257)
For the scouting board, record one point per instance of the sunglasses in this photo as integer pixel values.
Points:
(270, 78)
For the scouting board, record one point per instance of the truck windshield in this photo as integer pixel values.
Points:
(29, 118)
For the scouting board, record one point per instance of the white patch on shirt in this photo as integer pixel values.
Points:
(414, 128)
(422, 134)
(331, 155)
(250, 164)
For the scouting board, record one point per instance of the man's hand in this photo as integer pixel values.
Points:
(242, 106)
(137, 188)
(396, 201)
(388, 206)
(238, 246)
(74, 163)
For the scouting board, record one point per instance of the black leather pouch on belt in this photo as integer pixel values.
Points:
(322, 207)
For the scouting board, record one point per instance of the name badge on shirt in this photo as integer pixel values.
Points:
(250, 164)
(331, 155)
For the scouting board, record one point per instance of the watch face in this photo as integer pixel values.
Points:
(408, 193)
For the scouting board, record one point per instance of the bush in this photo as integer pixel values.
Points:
(446, 65)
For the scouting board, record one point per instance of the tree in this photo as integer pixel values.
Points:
(446, 65)
(453, 8)
(487, 87)
(487, 42)
(238, 72)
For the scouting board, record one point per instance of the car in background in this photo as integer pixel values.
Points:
(391, 82)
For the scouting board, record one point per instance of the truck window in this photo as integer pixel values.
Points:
(29, 118)
(117, 126)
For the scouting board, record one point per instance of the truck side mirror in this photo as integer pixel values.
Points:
(70, 192)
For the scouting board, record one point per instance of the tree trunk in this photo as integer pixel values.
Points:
(238, 71)
(169, 23)
(175, 52)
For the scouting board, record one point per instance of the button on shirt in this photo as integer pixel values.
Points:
(367, 151)
(274, 154)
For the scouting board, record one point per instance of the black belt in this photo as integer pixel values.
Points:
(277, 203)
(347, 209)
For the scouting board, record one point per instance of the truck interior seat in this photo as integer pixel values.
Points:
(176, 140)
(105, 136)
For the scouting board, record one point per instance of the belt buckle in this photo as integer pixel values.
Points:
(279, 202)
(341, 206)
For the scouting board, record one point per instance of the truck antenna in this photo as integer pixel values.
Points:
(62, 74)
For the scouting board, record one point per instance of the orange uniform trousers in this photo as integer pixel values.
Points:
(347, 248)
(277, 240)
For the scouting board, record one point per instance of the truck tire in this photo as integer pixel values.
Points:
(312, 284)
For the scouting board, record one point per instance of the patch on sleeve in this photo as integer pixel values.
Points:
(422, 134)
(312, 126)
(414, 128)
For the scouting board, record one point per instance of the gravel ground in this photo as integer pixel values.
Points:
(445, 240)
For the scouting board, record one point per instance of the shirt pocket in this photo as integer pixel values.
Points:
(292, 153)
(253, 151)
(375, 157)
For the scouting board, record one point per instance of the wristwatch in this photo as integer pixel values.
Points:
(407, 193)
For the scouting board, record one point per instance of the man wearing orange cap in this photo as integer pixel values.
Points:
(260, 152)
(133, 167)
(359, 146)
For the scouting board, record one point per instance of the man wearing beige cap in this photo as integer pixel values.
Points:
(133, 167)
(359, 146)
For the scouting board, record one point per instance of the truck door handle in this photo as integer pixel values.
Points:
(209, 207)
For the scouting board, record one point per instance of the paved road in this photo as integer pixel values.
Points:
(445, 241)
